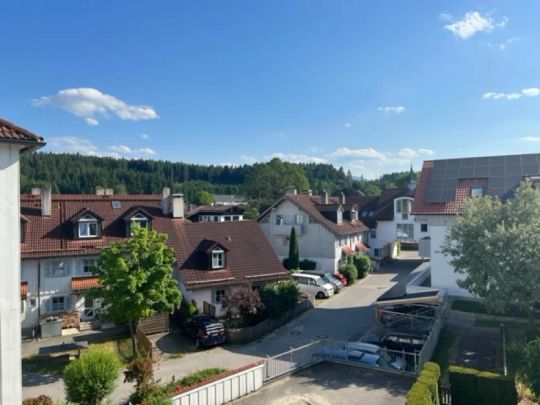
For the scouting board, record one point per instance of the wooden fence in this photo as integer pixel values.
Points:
(158, 323)
(144, 342)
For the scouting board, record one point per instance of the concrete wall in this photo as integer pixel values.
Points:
(225, 389)
(10, 259)
(315, 242)
(442, 272)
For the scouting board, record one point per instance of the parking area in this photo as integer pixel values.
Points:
(330, 383)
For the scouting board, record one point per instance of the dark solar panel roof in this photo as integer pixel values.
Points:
(504, 173)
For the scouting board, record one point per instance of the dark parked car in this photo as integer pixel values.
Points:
(205, 329)
(403, 341)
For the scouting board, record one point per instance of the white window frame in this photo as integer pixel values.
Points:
(52, 268)
(218, 259)
(218, 295)
(401, 228)
(475, 190)
(84, 265)
(138, 220)
(85, 226)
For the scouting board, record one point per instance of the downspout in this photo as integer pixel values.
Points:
(39, 290)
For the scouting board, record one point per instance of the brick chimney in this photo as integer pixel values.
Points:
(290, 190)
(109, 191)
(342, 198)
(100, 190)
(178, 206)
(166, 201)
(46, 201)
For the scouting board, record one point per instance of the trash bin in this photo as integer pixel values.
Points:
(51, 327)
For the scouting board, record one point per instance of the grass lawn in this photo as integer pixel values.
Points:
(444, 350)
(54, 364)
(479, 308)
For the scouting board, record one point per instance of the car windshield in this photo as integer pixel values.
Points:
(320, 282)
(331, 278)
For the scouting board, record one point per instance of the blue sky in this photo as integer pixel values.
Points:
(370, 86)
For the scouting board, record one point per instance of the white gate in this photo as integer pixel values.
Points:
(292, 360)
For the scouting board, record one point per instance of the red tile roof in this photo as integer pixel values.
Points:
(249, 255)
(24, 289)
(10, 132)
(362, 247)
(423, 207)
(84, 283)
(348, 250)
(312, 206)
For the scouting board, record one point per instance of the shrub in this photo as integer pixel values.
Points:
(279, 297)
(350, 273)
(245, 302)
(193, 378)
(307, 264)
(471, 386)
(531, 366)
(41, 400)
(425, 391)
(140, 371)
(363, 265)
(92, 377)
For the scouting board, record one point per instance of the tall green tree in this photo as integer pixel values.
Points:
(203, 198)
(495, 246)
(136, 279)
(294, 255)
(268, 181)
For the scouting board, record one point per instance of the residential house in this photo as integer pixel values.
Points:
(216, 213)
(217, 257)
(390, 220)
(14, 140)
(328, 228)
(445, 184)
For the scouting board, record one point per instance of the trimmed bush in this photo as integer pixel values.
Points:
(425, 391)
(279, 297)
(41, 400)
(363, 265)
(350, 273)
(307, 264)
(90, 378)
(471, 386)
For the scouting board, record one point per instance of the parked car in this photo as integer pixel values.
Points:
(205, 329)
(341, 278)
(328, 277)
(403, 341)
(313, 284)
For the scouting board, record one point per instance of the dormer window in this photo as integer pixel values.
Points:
(138, 220)
(218, 259)
(477, 192)
(88, 227)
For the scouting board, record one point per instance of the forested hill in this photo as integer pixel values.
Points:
(69, 173)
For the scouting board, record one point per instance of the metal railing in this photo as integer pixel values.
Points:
(433, 338)
(292, 360)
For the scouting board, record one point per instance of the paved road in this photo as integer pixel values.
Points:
(346, 316)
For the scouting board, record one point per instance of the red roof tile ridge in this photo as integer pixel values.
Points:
(22, 131)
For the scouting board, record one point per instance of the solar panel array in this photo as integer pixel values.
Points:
(504, 173)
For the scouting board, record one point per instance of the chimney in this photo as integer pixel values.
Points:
(109, 191)
(342, 198)
(178, 206)
(290, 190)
(310, 192)
(36, 191)
(100, 190)
(324, 197)
(166, 201)
(46, 201)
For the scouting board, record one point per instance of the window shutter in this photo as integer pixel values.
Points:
(48, 305)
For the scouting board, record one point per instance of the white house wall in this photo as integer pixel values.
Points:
(442, 272)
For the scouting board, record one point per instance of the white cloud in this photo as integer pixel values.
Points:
(368, 153)
(347, 125)
(89, 103)
(503, 46)
(72, 144)
(392, 110)
(316, 149)
(410, 153)
(527, 92)
(131, 151)
(472, 23)
(530, 138)
(144, 136)
(298, 158)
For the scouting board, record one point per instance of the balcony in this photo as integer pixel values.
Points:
(285, 229)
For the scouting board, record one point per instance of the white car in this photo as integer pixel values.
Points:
(313, 284)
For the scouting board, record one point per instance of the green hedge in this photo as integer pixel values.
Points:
(350, 272)
(470, 386)
(425, 391)
(307, 264)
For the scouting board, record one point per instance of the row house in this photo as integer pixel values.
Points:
(445, 184)
(62, 236)
(328, 228)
